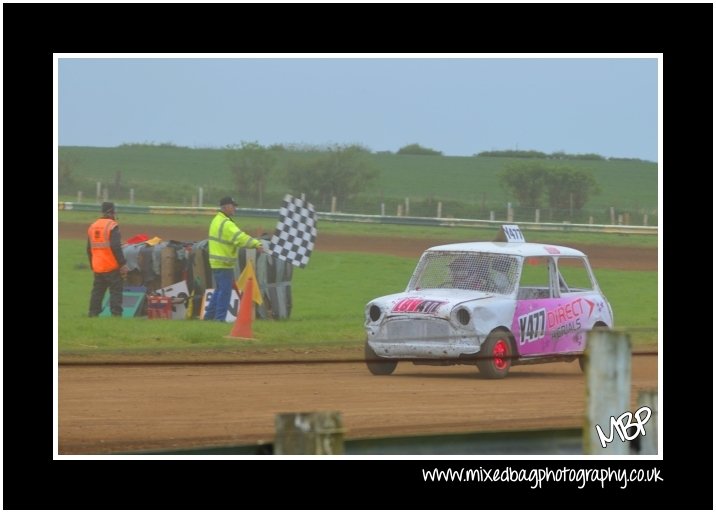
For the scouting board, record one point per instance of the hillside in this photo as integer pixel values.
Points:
(467, 186)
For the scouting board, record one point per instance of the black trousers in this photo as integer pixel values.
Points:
(103, 281)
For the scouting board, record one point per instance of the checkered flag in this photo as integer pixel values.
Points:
(295, 233)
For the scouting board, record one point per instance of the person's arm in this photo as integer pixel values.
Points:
(243, 239)
(89, 253)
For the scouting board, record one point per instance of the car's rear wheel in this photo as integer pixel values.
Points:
(495, 356)
(377, 365)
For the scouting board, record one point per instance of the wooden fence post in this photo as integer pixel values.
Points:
(649, 443)
(309, 433)
(440, 209)
(608, 379)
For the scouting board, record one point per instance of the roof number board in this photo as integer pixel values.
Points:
(513, 233)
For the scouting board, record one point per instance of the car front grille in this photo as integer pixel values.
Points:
(399, 330)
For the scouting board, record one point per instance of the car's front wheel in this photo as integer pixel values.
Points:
(377, 365)
(495, 357)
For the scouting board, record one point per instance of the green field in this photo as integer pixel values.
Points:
(328, 296)
(467, 186)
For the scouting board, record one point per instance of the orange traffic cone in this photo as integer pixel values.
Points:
(242, 325)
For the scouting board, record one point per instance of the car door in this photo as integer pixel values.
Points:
(548, 317)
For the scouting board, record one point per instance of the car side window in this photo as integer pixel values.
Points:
(534, 281)
(574, 275)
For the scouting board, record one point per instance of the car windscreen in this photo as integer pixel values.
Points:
(485, 272)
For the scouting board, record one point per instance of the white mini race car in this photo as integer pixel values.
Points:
(493, 304)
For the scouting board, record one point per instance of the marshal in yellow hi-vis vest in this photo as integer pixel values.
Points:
(225, 239)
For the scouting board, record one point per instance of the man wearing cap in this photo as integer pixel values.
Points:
(104, 250)
(225, 239)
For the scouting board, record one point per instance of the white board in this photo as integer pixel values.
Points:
(177, 290)
(233, 304)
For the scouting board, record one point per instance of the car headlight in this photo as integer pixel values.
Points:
(373, 312)
(462, 316)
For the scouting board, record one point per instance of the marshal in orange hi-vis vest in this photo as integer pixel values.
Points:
(103, 260)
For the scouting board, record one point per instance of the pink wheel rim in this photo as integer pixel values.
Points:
(501, 355)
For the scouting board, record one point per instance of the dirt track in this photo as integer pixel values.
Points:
(109, 408)
(106, 409)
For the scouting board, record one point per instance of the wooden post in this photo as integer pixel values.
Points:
(571, 205)
(608, 379)
(202, 271)
(400, 211)
(509, 212)
(79, 196)
(646, 219)
(105, 194)
(168, 257)
(536, 215)
(407, 206)
(131, 196)
(309, 433)
(611, 214)
(649, 443)
(620, 220)
(627, 218)
(99, 191)
(492, 215)
(201, 196)
(591, 219)
(440, 209)
(382, 209)
(333, 204)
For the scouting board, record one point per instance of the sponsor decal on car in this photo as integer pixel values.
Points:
(417, 305)
(532, 326)
(558, 321)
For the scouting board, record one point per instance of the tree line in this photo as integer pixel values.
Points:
(562, 187)
(340, 171)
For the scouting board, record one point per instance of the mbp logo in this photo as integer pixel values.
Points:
(623, 423)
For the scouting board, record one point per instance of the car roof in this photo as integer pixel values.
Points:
(525, 249)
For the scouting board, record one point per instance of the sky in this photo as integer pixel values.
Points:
(453, 104)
